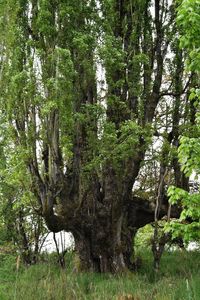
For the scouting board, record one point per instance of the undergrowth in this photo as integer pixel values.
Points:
(178, 280)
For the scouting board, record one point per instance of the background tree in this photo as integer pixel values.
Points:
(21, 226)
(188, 224)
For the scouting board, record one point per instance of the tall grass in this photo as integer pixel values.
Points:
(179, 279)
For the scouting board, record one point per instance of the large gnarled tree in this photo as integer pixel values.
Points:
(84, 148)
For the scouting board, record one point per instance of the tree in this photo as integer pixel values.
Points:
(189, 223)
(84, 149)
(20, 224)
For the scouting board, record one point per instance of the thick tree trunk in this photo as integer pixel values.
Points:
(99, 252)
(107, 245)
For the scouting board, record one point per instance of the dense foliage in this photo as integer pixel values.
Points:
(189, 155)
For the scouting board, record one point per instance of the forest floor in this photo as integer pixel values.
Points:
(179, 279)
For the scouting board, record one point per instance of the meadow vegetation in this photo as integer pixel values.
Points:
(178, 279)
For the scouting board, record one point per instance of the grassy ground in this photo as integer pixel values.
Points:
(179, 279)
